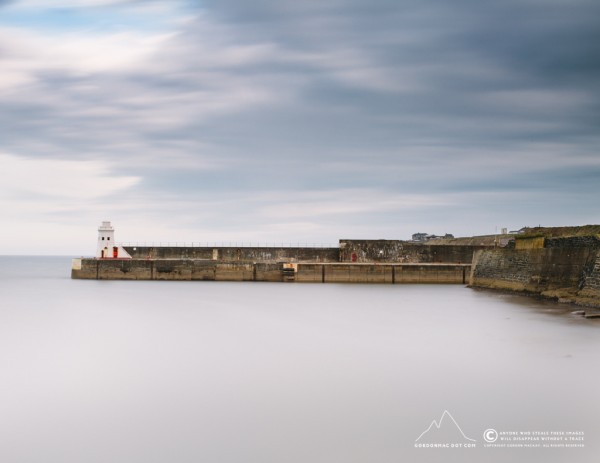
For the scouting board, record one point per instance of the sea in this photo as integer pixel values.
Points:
(166, 371)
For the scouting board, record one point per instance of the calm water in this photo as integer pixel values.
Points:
(110, 371)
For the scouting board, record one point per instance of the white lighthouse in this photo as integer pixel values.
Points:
(107, 248)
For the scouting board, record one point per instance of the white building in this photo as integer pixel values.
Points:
(107, 248)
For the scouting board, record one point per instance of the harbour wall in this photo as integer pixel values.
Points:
(237, 254)
(354, 261)
(174, 269)
(590, 291)
(383, 273)
(405, 252)
(567, 269)
(359, 251)
(315, 272)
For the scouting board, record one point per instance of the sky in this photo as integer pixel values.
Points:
(294, 121)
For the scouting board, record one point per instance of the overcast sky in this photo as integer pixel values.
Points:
(294, 121)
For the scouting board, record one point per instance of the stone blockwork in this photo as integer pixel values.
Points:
(391, 251)
(562, 270)
(569, 242)
(383, 273)
(533, 270)
(194, 269)
(241, 254)
(591, 284)
(360, 251)
(175, 269)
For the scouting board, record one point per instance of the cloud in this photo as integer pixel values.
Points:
(47, 180)
(315, 117)
(62, 4)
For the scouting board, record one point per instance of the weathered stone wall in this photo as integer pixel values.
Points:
(591, 284)
(533, 270)
(363, 251)
(84, 269)
(531, 242)
(233, 254)
(403, 251)
(573, 242)
(566, 272)
(188, 269)
(383, 273)
(175, 269)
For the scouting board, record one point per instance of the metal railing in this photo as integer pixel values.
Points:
(225, 244)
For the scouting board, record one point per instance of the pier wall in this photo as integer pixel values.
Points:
(174, 269)
(383, 273)
(567, 269)
(405, 252)
(193, 269)
(359, 251)
(237, 254)
(591, 284)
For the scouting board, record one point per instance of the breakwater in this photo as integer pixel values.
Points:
(236, 254)
(564, 268)
(358, 251)
(354, 261)
(405, 252)
(308, 272)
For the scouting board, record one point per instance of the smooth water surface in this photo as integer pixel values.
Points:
(127, 371)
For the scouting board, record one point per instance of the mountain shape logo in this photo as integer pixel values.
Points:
(446, 429)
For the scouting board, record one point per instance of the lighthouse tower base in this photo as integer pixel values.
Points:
(107, 248)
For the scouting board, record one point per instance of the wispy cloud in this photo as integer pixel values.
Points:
(59, 180)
